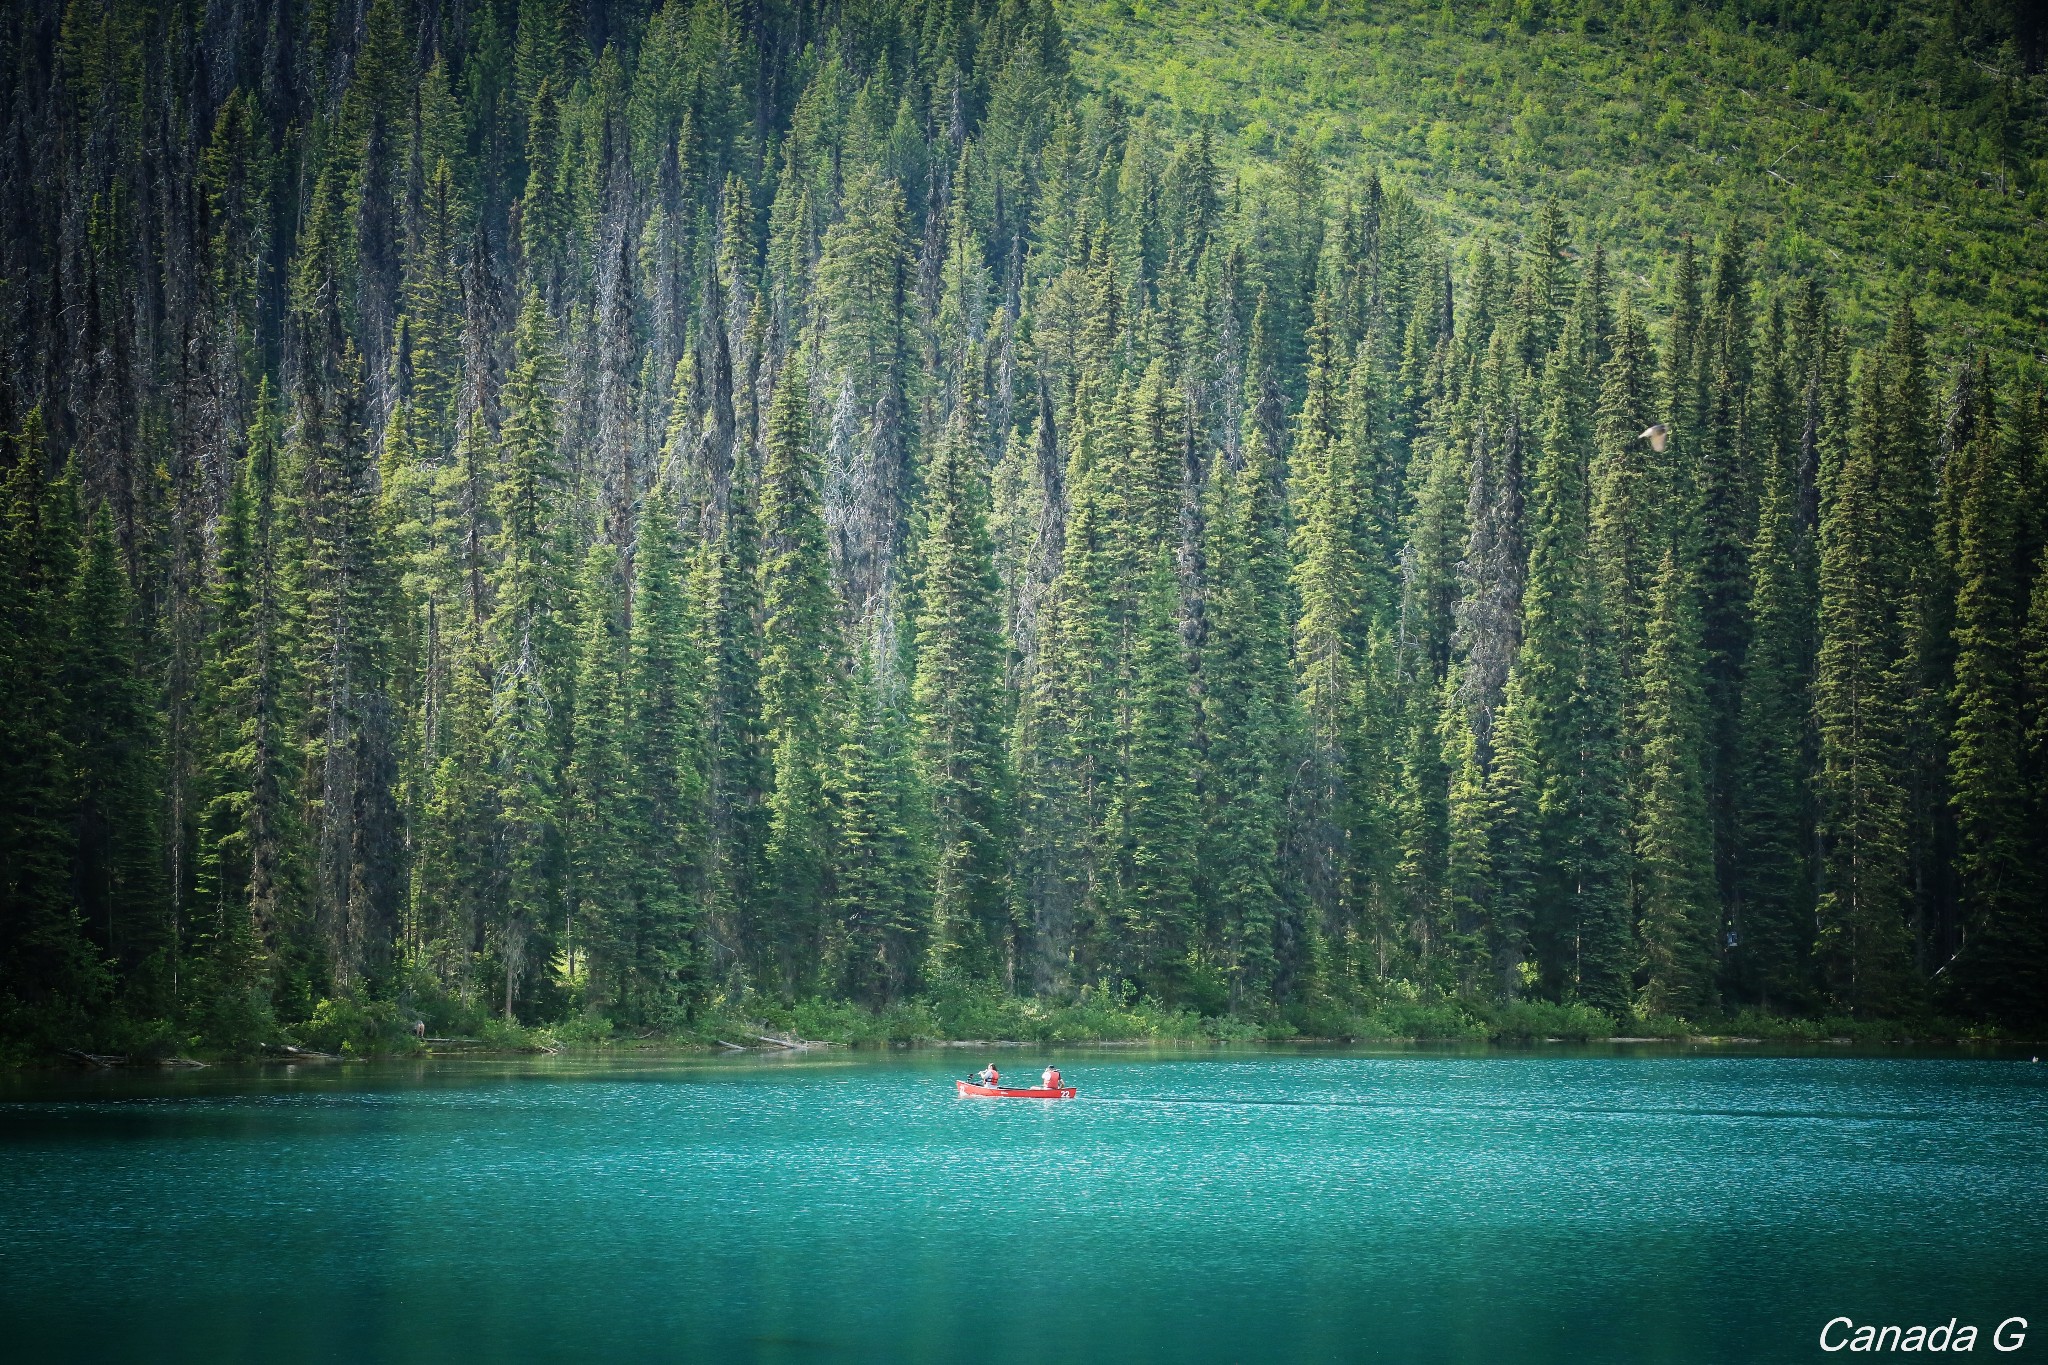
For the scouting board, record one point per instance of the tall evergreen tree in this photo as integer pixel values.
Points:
(1675, 841)
(531, 648)
(113, 743)
(2000, 967)
(882, 861)
(726, 607)
(1154, 819)
(246, 878)
(665, 754)
(799, 680)
(1861, 703)
(1246, 707)
(958, 695)
(1568, 690)
(54, 977)
(1773, 893)
(601, 925)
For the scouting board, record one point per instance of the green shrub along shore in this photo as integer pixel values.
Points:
(352, 1030)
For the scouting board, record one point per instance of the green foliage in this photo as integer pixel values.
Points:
(1528, 1020)
(1674, 844)
(1358, 523)
(1860, 145)
(960, 704)
(799, 679)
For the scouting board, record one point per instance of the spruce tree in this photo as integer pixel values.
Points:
(1246, 703)
(1772, 915)
(1674, 842)
(1472, 923)
(882, 860)
(460, 877)
(531, 653)
(1861, 704)
(1154, 821)
(1724, 525)
(725, 591)
(113, 742)
(957, 692)
(54, 977)
(2002, 967)
(244, 878)
(1405, 934)
(799, 679)
(1571, 703)
(665, 754)
(861, 294)
(601, 927)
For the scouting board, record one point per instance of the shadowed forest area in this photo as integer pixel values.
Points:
(626, 517)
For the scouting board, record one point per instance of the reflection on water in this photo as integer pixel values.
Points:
(1555, 1204)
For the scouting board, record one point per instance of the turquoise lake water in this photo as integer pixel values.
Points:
(1498, 1207)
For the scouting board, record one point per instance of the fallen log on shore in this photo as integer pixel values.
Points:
(107, 1061)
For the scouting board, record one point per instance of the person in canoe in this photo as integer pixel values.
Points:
(989, 1076)
(1051, 1078)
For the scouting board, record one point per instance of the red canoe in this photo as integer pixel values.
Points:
(998, 1092)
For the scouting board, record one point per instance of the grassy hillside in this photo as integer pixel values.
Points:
(1908, 157)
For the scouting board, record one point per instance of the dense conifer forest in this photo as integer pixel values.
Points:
(624, 515)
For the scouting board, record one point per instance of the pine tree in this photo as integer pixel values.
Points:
(725, 590)
(862, 295)
(1675, 839)
(1772, 917)
(1437, 535)
(54, 977)
(1472, 890)
(1246, 704)
(1405, 935)
(1860, 704)
(2000, 968)
(1723, 527)
(1488, 612)
(531, 650)
(1054, 791)
(338, 589)
(1923, 586)
(666, 756)
(1631, 506)
(113, 744)
(1513, 843)
(2034, 715)
(543, 210)
(1154, 818)
(596, 824)
(235, 175)
(882, 862)
(799, 678)
(460, 878)
(241, 876)
(1571, 690)
(958, 697)
(1330, 582)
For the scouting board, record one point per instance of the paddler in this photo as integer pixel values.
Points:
(990, 1077)
(1051, 1078)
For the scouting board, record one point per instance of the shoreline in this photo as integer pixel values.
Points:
(680, 1049)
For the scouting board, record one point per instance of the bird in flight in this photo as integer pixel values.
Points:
(1656, 435)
